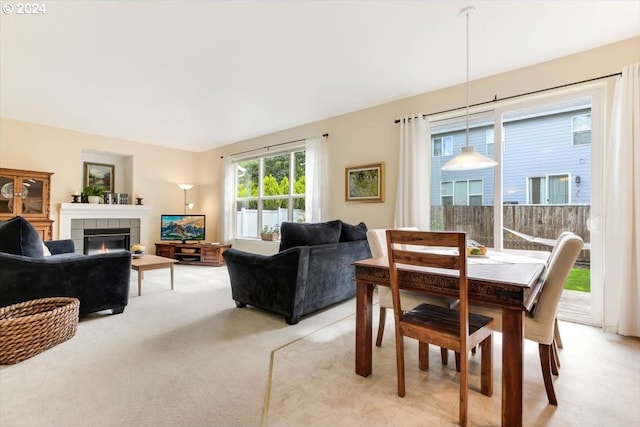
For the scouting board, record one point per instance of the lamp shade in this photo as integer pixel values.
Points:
(467, 160)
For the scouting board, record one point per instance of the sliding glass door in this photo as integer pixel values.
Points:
(545, 183)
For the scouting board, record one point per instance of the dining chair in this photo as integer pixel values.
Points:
(378, 245)
(457, 330)
(539, 326)
(556, 329)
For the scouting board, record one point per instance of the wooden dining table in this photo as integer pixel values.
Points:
(512, 282)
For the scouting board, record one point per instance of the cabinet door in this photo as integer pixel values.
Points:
(26, 196)
(8, 205)
(35, 197)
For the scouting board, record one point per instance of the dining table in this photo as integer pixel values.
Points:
(509, 279)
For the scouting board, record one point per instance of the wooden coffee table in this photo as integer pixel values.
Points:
(151, 262)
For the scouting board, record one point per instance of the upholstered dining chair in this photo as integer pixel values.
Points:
(556, 329)
(458, 330)
(540, 326)
(378, 244)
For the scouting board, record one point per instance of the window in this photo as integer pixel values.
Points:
(467, 193)
(548, 190)
(269, 190)
(488, 136)
(442, 146)
(581, 129)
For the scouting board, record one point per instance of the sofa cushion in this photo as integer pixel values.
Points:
(19, 237)
(309, 234)
(350, 232)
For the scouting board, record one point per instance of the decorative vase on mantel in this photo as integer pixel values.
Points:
(94, 199)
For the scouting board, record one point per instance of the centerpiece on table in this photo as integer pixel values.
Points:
(137, 250)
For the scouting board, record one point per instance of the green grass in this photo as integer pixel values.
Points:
(579, 280)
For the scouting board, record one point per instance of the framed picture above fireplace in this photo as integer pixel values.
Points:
(99, 175)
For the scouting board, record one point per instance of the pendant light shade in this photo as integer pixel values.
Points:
(468, 159)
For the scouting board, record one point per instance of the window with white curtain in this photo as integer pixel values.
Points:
(581, 129)
(548, 190)
(269, 190)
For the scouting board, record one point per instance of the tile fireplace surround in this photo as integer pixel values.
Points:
(74, 217)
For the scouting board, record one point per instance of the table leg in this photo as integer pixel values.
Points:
(364, 299)
(140, 274)
(512, 366)
(171, 267)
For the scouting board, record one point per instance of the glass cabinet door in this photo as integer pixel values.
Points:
(7, 194)
(32, 196)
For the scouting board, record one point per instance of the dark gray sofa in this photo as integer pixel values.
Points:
(312, 270)
(99, 281)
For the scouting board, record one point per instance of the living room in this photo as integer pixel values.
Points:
(362, 136)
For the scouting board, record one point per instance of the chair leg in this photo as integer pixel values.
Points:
(381, 323)
(486, 366)
(423, 355)
(400, 362)
(545, 362)
(464, 386)
(457, 361)
(555, 361)
(556, 333)
(444, 356)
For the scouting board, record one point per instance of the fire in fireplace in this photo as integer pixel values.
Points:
(99, 240)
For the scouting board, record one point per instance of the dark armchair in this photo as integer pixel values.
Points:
(311, 271)
(99, 281)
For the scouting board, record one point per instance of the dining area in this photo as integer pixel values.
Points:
(512, 292)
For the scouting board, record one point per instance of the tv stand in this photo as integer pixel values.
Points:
(193, 253)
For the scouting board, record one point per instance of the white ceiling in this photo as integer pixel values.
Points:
(201, 74)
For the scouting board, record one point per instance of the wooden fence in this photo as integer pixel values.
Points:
(545, 222)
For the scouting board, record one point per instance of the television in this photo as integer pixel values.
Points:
(182, 227)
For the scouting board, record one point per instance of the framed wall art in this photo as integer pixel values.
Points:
(365, 183)
(99, 175)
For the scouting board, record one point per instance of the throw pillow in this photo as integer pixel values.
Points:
(309, 234)
(19, 237)
(353, 232)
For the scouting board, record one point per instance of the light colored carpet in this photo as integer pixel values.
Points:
(186, 357)
(189, 357)
(599, 383)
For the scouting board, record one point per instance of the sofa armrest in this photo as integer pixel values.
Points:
(267, 281)
(64, 246)
(99, 281)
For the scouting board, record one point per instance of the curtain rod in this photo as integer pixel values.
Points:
(496, 99)
(324, 135)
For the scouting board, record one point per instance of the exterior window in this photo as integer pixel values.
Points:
(549, 190)
(269, 190)
(581, 129)
(461, 193)
(442, 146)
(489, 141)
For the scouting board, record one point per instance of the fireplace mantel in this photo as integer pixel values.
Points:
(69, 211)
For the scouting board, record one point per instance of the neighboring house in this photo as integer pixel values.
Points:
(546, 158)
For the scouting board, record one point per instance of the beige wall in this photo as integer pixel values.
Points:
(362, 137)
(155, 171)
(371, 136)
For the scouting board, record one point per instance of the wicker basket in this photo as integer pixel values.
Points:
(31, 327)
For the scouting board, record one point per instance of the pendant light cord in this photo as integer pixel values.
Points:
(467, 11)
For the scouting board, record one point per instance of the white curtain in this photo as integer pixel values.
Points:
(315, 179)
(622, 209)
(227, 225)
(414, 174)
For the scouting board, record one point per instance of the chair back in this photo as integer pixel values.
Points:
(443, 250)
(378, 240)
(559, 266)
(554, 250)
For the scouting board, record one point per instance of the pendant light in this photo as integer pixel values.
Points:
(468, 159)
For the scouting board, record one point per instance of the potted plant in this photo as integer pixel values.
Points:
(93, 193)
(270, 233)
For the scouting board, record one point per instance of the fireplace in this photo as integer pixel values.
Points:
(98, 240)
